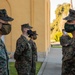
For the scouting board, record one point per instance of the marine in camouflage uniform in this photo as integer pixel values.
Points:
(69, 59)
(64, 42)
(65, 48)
(23, 53)
(5, 29)
(3, 59)
(33, 36)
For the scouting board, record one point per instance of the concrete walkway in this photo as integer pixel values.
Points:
(52, 64)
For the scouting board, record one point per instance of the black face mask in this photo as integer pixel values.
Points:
(69, 27)
(29, 32)
(6, 29)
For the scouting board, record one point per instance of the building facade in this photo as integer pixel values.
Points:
(34, 12)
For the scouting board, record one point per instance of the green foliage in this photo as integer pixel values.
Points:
(56, 46)
(60, 11)
(38, 66)
(13, 70)
(57, 36)
(70, 34)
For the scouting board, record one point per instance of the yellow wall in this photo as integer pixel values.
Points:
(34, 12)
(41, 23)
(21, 14)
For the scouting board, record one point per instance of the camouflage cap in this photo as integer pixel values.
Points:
(71, 15)
(26, 26)
(4, 16)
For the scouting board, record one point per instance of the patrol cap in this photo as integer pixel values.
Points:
(71, 15)
(4, 16)
(26, 26)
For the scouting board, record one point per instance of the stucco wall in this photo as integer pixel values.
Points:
(34, 12)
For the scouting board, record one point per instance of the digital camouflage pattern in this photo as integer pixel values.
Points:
(34, 56)
(3, 59)
(23, 56)
(68, 61)
(64, 43)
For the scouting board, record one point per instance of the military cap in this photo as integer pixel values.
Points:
(26, 26)
(4, 16)
(71, 15)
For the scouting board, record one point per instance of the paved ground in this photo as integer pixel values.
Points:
(52, 64)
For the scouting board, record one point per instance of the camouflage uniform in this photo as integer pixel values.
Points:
(3, 59)
(69, 59)
(34, 56)
(65, 50)
(23, 56)
(5, 29)
(64, 40)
